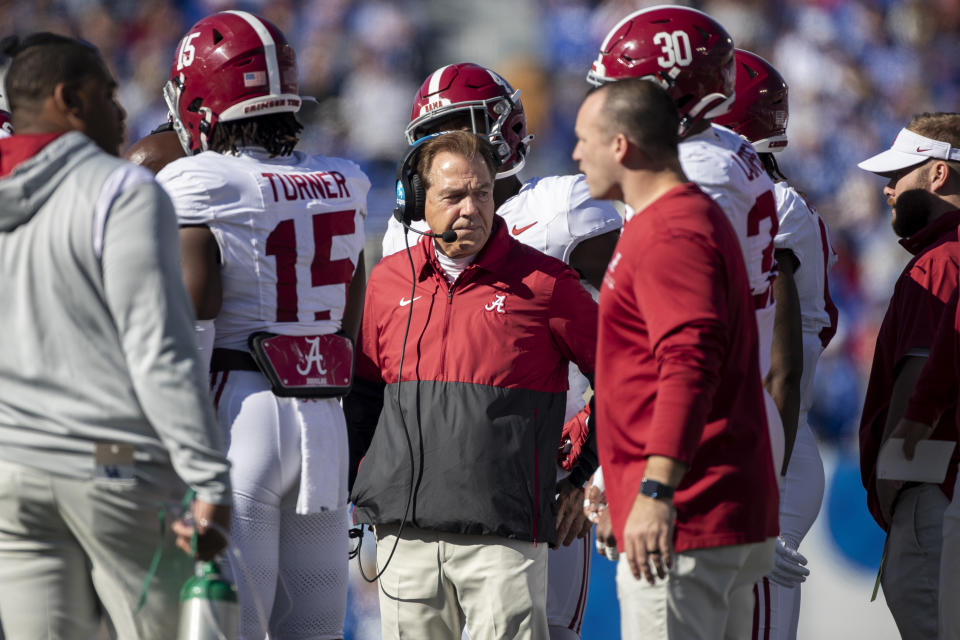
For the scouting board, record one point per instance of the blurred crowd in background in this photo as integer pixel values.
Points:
(857, 71)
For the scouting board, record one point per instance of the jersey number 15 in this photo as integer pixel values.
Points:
(282, 243)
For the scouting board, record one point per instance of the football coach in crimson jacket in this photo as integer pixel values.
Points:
(464, 451)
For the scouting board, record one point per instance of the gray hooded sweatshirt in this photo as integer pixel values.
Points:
(96, 329)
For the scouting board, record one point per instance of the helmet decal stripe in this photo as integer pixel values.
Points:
(606, 41)
(269, 49)
(434, 85)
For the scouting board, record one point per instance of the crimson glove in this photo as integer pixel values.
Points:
(575, 433)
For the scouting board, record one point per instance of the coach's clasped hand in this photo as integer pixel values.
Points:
(648, 537)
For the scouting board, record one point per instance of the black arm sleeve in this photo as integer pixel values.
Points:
(362, 409)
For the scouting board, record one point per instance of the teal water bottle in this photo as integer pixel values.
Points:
(208, 606)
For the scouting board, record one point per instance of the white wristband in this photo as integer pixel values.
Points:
(598, 479)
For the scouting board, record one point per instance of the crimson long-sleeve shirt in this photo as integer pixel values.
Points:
(678, 373)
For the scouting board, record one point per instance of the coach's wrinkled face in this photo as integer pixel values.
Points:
(460, 197)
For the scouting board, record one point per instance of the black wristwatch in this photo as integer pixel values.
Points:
(656, 490)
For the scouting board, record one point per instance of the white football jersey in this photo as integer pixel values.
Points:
(553, 215)
(726, 167)
(804, 233)
(290, 231)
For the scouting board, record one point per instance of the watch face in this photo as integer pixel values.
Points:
(654, 489)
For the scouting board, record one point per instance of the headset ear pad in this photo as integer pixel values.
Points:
(410, 191)
(418, 197)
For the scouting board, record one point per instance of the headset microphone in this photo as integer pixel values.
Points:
(447, 236)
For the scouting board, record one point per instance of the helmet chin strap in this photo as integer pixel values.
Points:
(721, 108)
(512, 171)
(719, 104)
(515, 169)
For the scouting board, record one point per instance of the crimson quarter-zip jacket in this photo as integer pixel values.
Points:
(470, 431)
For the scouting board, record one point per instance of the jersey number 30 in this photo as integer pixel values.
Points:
(282, 243)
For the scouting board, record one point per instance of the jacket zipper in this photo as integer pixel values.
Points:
(446, 317)
(443, 337)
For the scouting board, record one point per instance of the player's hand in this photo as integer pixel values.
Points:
(572, 522)
(912, 432)
(789, 568)
(595, 508)
(204, 516)
(648, 537)
(887, 491)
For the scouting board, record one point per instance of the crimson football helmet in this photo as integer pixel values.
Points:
(493, 107)
(684, 50)
(759, 113)
(229, 66)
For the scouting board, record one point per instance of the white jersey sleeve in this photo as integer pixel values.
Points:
(726, 167)
(555, 214)
(804, 233)
(289, 230)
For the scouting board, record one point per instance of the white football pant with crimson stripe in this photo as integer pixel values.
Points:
(777, 609)
(568, 580)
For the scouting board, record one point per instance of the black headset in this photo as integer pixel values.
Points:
(410, 192)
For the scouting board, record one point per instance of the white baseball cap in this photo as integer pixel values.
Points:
(909, 148)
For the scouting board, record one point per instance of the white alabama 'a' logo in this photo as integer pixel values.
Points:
(313, 358)
(608, 275)
(497, 304)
